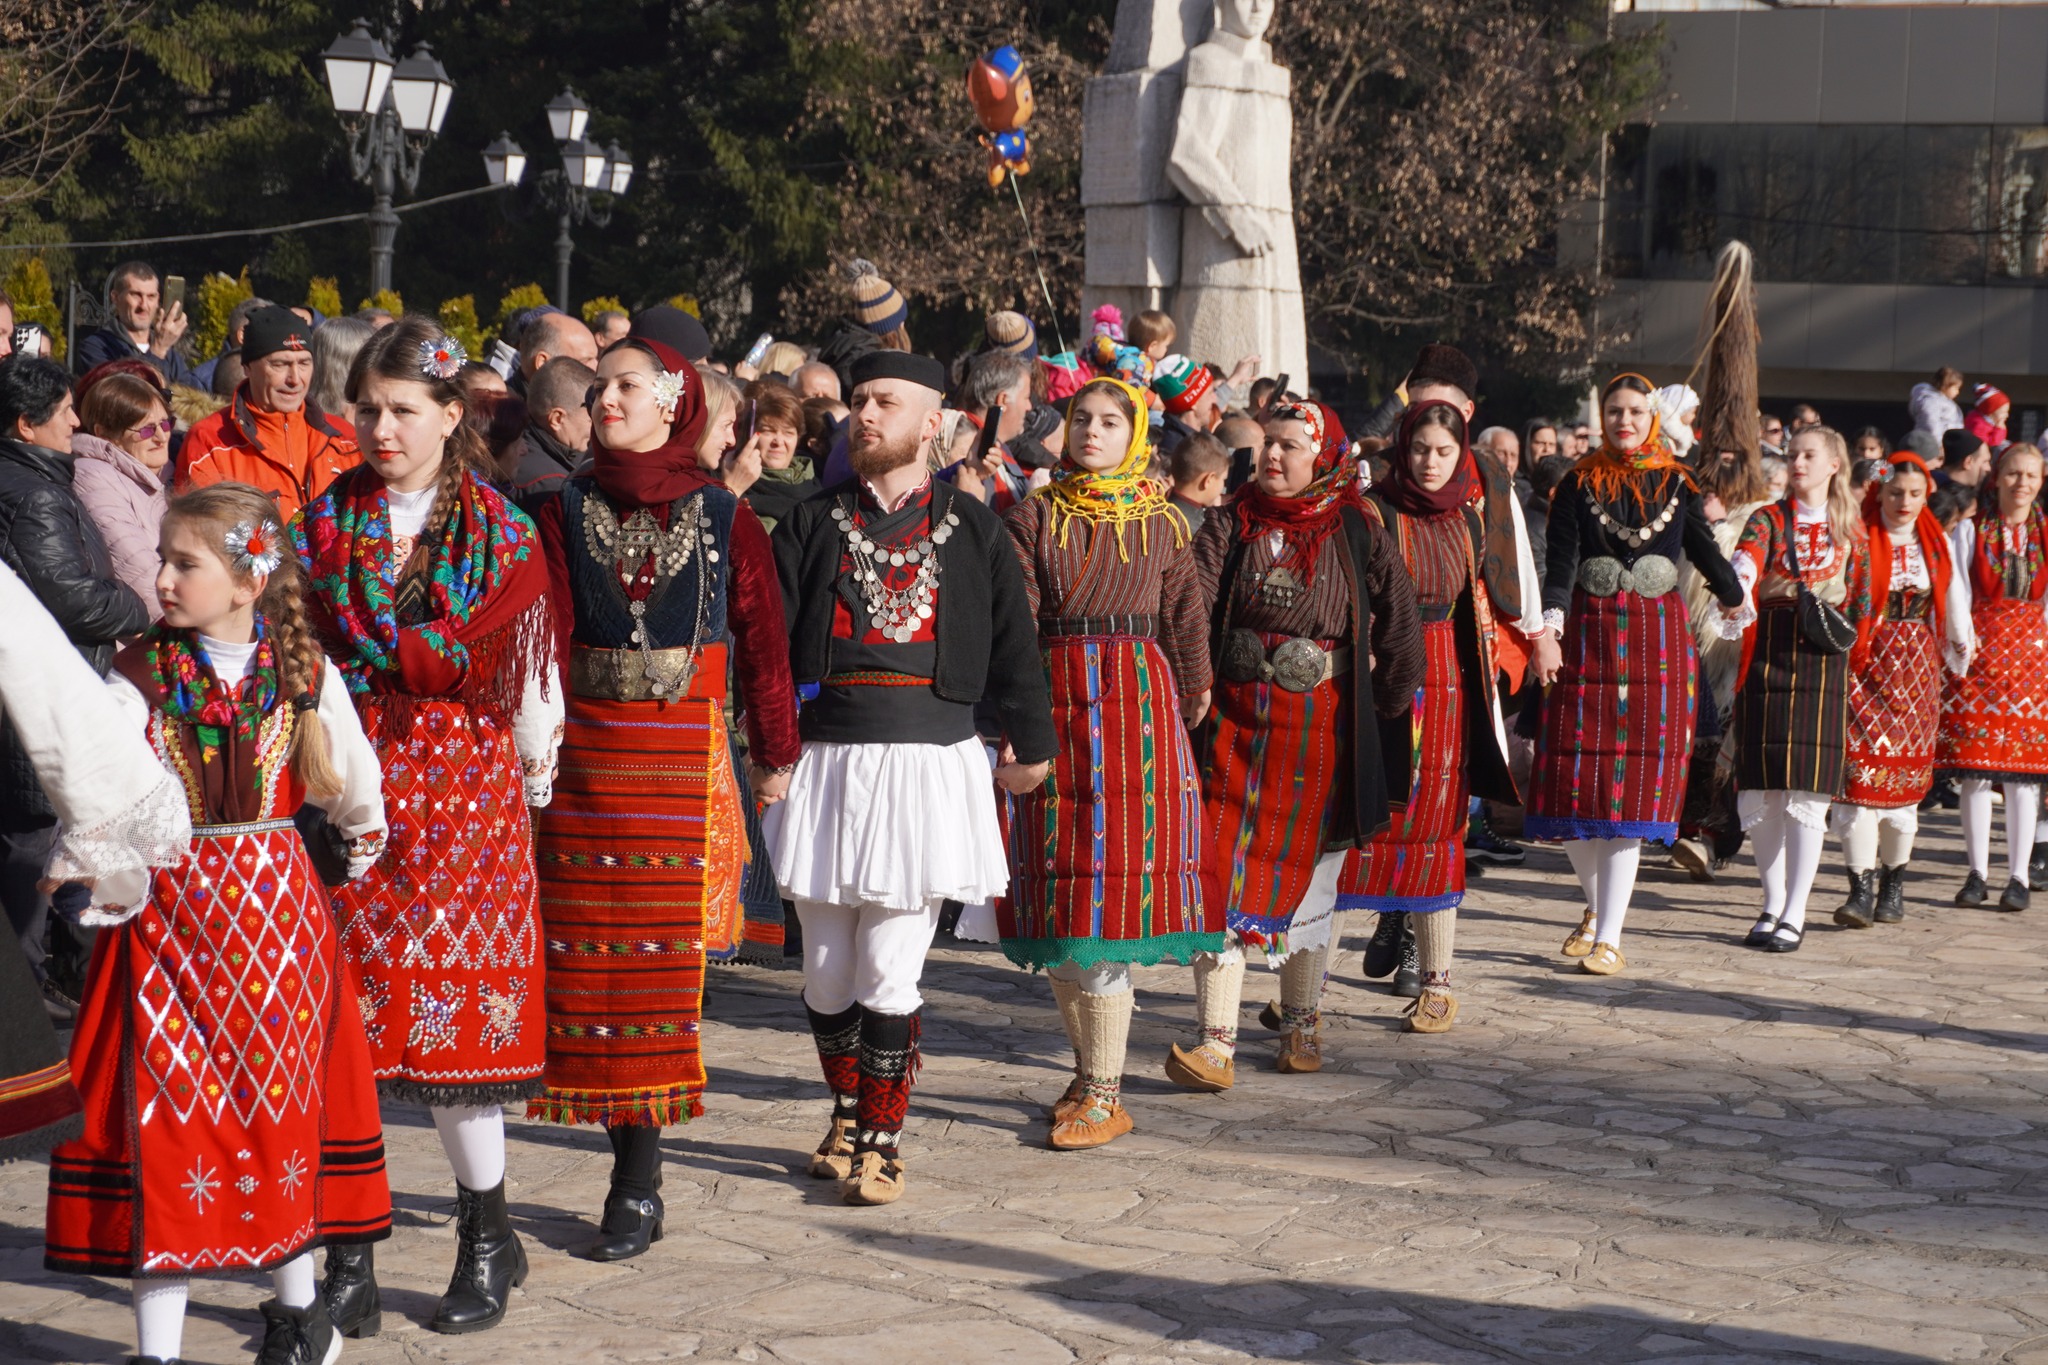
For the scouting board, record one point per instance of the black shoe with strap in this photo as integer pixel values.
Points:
(297, 1336)
(489, 1263)
(1784, 939)
(354, 1303)
(630, 1226)
(2015, 897)
(1891, 895)
(1383, 952)
(1860, 910)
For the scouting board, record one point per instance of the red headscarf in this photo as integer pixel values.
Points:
(1934, 550)
(657, 477)
(1401, 487)
(1610, 471)
(1307, 518)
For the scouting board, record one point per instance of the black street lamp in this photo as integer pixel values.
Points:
(583, 191)
(392, 111)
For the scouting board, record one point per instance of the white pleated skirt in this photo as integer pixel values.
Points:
(897, 825)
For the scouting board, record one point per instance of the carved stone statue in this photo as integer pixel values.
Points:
(1240, 279)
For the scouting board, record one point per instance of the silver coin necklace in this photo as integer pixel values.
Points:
(896, 612)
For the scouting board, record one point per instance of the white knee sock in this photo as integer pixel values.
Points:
(1857, 828)
(160, 1317)
(1619, 859)
(1895, 831)
(1803, 847)
(293, 1281)
(1976, 812)
(2022, 822)
(475, 1142)
(1585, 858)
(1768, 834)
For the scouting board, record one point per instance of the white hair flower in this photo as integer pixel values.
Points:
(442, 358)
(668, 389)
(255, 546)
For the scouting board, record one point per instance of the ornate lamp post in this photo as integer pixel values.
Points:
(392, 110)
(584, 189)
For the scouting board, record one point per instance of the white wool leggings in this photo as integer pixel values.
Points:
(474, 1139)
(160, 1305)
(1873, 838)
(2022, 815)
(1104, 978)
(1788, 853)
(867, 955)
(1607, 874)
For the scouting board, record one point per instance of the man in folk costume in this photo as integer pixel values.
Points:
(1306, 591)
(906, 608)
(1431, 505)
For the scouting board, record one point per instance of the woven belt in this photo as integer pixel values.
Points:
(233, 831)
(1056, 627)
(656, 675)
(1296, 664)
(1649, 576)
(1432, 612)
(875, 677)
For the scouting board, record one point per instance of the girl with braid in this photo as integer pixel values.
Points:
(230, 1113)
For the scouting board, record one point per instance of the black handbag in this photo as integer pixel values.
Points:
(1824, 626)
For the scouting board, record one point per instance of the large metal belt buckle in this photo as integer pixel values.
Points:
(1601, 575)
(1654, 575)
(1299, 665)
(669, 672)
(1244, 656)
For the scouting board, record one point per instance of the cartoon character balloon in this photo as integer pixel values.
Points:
(1000, 89)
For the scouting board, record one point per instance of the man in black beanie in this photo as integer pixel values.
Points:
(1965, 459)
(906, 609)
(270, 435)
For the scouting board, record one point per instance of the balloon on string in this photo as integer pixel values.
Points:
(1000, 89)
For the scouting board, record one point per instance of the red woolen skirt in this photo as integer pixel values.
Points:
(1105, 857)
(230, 1116)
(1616, 742)
(1994, 722)
(1275, 771)
(640, 848)
(444, 931)
(1894, 714)
(1417, 864)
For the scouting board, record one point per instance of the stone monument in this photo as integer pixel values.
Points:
(1185, 181)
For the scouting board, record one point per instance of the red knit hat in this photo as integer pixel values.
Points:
(1990, 399)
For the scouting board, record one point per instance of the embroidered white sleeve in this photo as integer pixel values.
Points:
(537, 732)
(115, 852)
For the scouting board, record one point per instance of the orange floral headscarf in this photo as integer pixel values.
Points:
(1611, 472)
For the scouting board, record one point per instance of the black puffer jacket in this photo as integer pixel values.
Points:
(48, 538)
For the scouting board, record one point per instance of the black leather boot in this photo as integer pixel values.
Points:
(630, 1226)
(350, 1291)
(489, 1262)
(1860, 910)
(1891, 895)
(297, 1336)
(1383, 952)
(1408, 976)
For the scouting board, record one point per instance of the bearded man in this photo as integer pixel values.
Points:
(906, 610)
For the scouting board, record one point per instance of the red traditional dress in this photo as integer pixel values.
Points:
(1994, 720)
(1911, 601)
(1105, 857)
(642, 849)
(231, 1117)
(444, 638)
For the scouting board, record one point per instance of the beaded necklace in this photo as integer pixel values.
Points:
(897, 611)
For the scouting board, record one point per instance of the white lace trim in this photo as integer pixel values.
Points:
(114, 854)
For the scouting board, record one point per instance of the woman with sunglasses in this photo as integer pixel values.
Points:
(123, 450)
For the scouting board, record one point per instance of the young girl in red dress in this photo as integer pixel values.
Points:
(230, 1115)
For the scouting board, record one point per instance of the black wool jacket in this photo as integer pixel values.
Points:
(986, 633)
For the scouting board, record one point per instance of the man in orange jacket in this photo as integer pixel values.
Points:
(269, 435)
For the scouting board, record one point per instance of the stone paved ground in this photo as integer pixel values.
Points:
(1720, 1156)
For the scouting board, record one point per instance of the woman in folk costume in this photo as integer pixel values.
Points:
(119, 812)
(1105, 857)
(230, 1111)
(429, 589)
(1792, 707)
(1912, 616)
(1616, 732)
(1304, 591)
(1455, 735)
(1991, 718)
(655, 566)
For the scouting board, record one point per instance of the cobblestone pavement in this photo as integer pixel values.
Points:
(1719, 1156)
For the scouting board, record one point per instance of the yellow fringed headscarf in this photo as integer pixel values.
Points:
(1116, 497)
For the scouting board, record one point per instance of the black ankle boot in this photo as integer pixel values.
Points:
(1974, 891)
(489, 1262)
(1408, 976)
(1891, 895)
(1383, 953)
(1860, 910)
(630, 1226)
(296, 1336)
(350, 1291)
